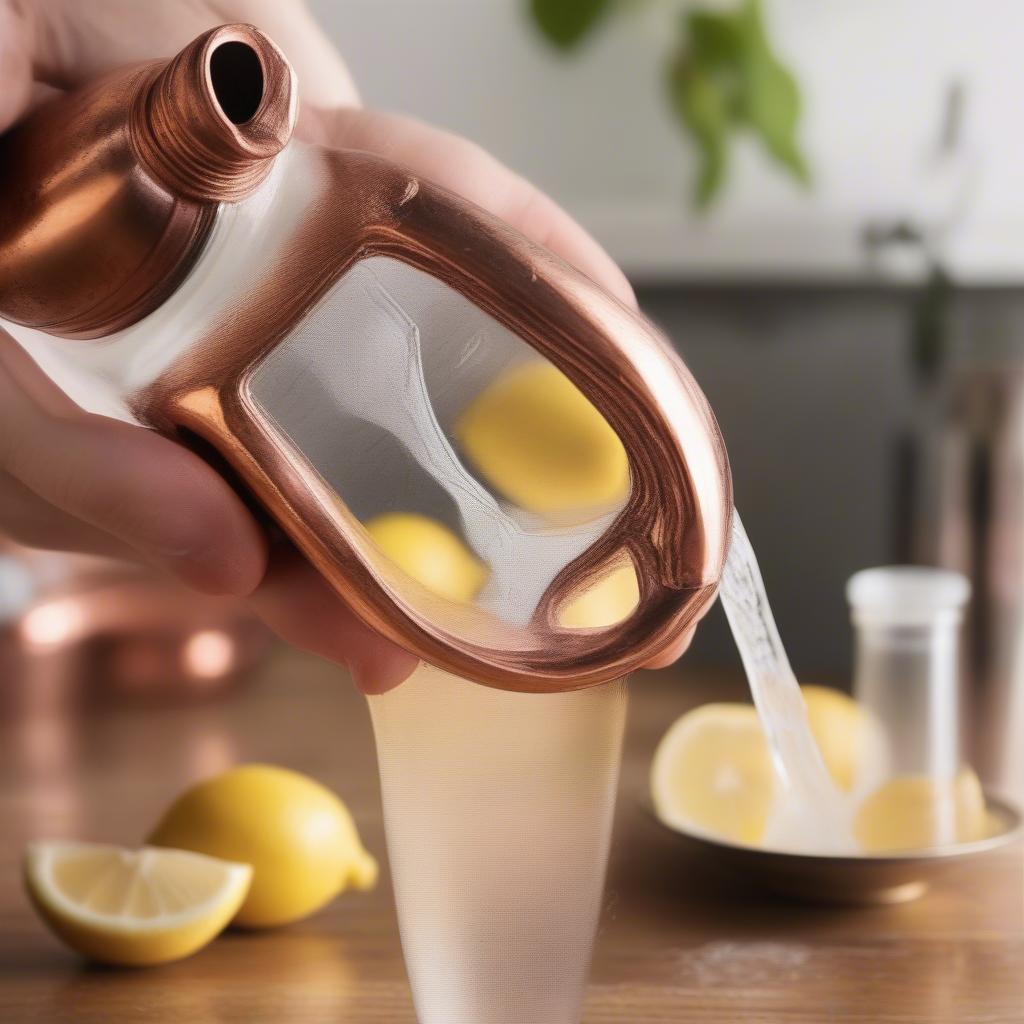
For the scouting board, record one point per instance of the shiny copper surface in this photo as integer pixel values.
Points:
(97, 236)
(971, 521)
(675, 525)
(214, 119)
(113, 631)
(109, 192)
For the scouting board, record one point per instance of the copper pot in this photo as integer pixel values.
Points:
(97, 630)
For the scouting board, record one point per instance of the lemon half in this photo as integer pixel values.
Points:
(133, 907)
(905, 812)
(712, 770)
(609, 601)
(840, 728)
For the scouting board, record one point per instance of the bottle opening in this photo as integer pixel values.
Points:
(212, 121)
(236, 75)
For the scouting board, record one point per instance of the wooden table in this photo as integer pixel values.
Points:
(676, 944)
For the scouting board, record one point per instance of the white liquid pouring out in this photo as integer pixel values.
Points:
(812, 815)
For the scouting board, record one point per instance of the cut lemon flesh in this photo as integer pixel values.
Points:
(713, 772)
(907, 813)
(133, 907)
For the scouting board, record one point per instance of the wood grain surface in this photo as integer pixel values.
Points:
(677, 943)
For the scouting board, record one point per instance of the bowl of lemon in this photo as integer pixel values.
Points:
(713, 786)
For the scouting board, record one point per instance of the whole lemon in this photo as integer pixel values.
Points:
(430, 553)
(537, 439)
(297, 835)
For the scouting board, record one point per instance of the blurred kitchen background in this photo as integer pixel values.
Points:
(849, 297)
(821, 204)
(797, 327)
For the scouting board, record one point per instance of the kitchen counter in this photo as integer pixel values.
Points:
(676, 944)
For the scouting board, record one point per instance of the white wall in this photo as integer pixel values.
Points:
(594, 130)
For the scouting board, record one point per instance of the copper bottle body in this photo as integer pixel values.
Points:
(160, 214)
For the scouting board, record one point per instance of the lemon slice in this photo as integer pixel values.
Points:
(430, 553)
(712, 771)
(133, 907)
(904, 813)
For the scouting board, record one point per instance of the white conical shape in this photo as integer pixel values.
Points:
(498, 809)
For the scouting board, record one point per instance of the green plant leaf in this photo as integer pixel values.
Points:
(565, 22)
(772, 97)
(716, 47)
(726, 76)
(715, 39)
(701, 105)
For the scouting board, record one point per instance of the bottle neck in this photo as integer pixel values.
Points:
(210, 123)
(116, 186)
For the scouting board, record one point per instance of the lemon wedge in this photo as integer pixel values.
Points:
(712, 771)
(537, 439)
(430, 553)
(133, 907)
(905, 812)
(839, 726)
(298, 836)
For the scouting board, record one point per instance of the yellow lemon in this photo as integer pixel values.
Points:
(904, 813)
(539, 442)
(713, 771)
(430, 553)
(992, 825)
(608, 601)
(839, 726)
(133, 907)
(297, 835)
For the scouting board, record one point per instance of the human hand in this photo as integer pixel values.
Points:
(74, 481)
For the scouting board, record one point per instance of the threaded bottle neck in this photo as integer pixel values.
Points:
(211, 121)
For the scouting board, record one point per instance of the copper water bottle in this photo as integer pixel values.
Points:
(323, 320)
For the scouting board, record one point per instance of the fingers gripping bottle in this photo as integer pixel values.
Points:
(357, 343)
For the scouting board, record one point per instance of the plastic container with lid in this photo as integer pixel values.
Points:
(907, 622)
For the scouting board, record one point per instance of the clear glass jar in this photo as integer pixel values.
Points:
(907, 621)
